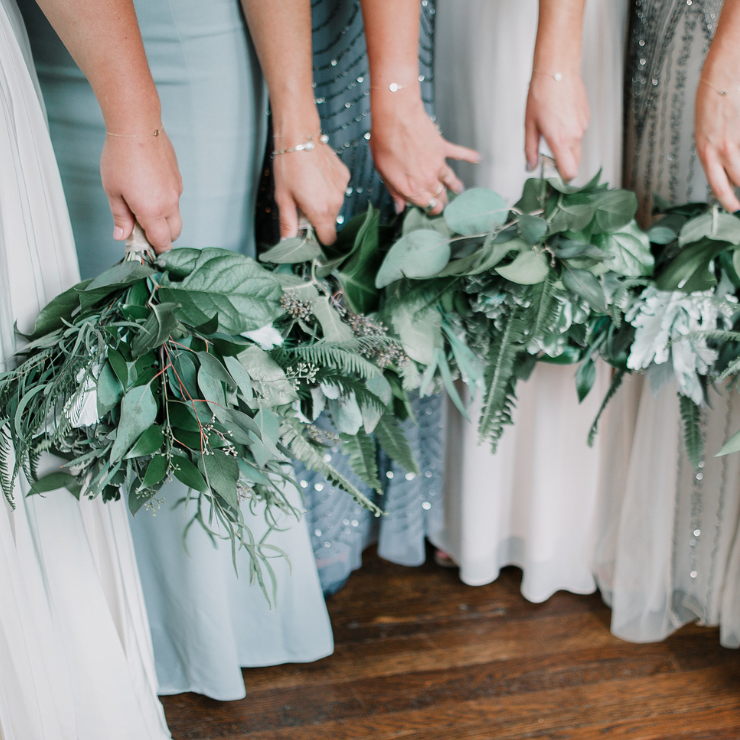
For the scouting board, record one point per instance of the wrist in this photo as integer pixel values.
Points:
(137, 114)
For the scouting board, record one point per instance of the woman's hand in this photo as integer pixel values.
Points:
(558, 112)
(142, 182)
(313, 182)
(409, 152)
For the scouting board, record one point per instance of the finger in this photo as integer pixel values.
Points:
(564, 160)
(157, 232)
(326, 229)
(462, 153)
(398, 200)
(431, 203)
(531, 144)
(175, 224)
(123, 219)
(720, 183)
(450, 180)
(288, 217)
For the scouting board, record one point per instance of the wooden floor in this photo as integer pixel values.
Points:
(420, 656)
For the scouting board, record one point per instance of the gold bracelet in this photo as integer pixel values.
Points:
(557, 76)
(157, 132)
(721, 91)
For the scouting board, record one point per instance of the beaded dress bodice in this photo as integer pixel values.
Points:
(668, 42)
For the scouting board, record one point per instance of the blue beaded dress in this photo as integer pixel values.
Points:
(339, 528)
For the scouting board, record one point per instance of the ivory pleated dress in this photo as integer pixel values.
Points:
(76, 657)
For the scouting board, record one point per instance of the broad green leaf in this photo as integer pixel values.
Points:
(691, 261)
(241, 376)
(614, 209)
(61, 307)
(572, 217)
(188, 474)
(138, 413)
(628, 251)
(476, 211)
(149, 443)
(529, 268)
(532, 228)
(110, 390)
(226, 284)
(119, 366)
(419, 329)
(268, 423)
(182, 417)
(533, 196)
(358, 274)
(418, 254)
(305, 291)
(156, 330)
(584, 284)
(222, 474)
(718, 226)
(381, 388)
(267, 377)
(119, 276)
(291, 251)
(496, 252)
(137, 499)
(53, 482)
(335, 330)
(215, 369)
(155, 471)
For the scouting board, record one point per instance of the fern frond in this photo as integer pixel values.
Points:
(363, 457)
(617, 379)
(500, 380)
(691, 417)
(337, 357)
(393, 441)
(313, 459)
(543, 312)
(6, 452)
(348, 386)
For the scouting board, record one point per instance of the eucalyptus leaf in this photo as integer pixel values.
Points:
(149, 443)
(731, 446)
(476, 211)
(188, 474)
(529, 268)
(52, 482)
(58, 310)
(419, 329)
(292, 251)
(418, 254)
(215, 369)
(241, 377)
(335, 330)
(155, 471)
(157, 328)
(532, 228)
(585, 378)
(110, 390)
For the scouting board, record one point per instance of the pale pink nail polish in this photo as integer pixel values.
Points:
(118, 233)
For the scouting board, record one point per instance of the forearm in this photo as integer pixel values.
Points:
(104, 39)
(723, 59)
(281, 32)
(559, 37)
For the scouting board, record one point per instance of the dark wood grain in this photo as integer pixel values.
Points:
(420, 656)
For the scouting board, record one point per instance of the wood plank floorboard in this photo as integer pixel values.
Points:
(421, 656)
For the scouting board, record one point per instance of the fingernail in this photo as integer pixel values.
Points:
(399, 207)
(530, 167)
(118, 233)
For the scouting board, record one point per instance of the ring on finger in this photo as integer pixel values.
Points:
(433, 203)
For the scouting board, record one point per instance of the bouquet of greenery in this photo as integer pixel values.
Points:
(683, 325)
(198, 365)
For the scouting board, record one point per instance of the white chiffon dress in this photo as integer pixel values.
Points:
(533, 504)
(76, 657)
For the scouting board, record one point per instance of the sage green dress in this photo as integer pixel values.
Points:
(206, 624)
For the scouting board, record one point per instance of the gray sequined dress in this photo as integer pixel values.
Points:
(674, 530)
(340, 528)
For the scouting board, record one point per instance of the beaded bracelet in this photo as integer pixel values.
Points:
(307, 146)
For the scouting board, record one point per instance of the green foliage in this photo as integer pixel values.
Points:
(363, 460)
(392, 440)
(616, 382)
(691, 418)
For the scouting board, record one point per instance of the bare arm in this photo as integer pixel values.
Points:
(140, 174)
(557, 106)
(717, 113)
(314, 180)
(409, 152)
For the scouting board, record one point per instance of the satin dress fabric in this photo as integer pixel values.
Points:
(207, 619)
(534, 503)
(76, 658)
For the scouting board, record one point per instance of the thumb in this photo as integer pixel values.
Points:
(123, 218)
(288, 217)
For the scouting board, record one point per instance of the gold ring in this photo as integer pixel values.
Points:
(433, 202)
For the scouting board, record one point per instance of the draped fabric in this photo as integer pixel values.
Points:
(669, 552)
(76, 658)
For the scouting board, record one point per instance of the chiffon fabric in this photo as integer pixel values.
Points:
(76, 657)
(669, 552)
(533, 503)
(207, 621)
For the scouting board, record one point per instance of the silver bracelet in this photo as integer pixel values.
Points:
(307, 146)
